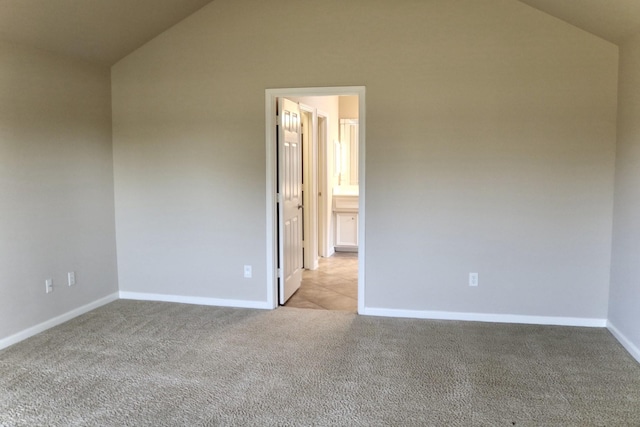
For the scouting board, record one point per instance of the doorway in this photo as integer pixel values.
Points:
(319, 202)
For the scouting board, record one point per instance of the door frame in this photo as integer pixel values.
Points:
(271, 96)
(310, 187)
(324, 216)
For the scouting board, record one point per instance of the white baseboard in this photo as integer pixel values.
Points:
(483, 317)
(29, 332)
(195, 300)
(346, 249)
(626, 342)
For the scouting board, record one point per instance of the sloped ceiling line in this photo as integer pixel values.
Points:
(612, 20)
(105, 31)
(100, 31)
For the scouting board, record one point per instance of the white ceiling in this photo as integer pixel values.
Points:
(101, 31)
(613, 20)
(105, 31)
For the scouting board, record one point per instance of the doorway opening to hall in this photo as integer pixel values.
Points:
(318, 204)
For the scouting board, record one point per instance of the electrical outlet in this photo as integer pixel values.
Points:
(473, 279)
(247, 272)
(71, 276)
(48, 284)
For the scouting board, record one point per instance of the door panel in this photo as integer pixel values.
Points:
(347, 229)
(290, 206)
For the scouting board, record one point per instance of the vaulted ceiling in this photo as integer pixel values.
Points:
(105, 31)
(612, 20)
(102, 31)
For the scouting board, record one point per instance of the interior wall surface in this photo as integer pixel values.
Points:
(624, 305)
(56, 186)
(348, 107)
(490, 147)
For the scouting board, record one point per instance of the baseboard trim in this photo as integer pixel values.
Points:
(140, 296)
(626, 342)
(483, 317)
(41, 327)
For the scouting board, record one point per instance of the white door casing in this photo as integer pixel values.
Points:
(325, 248)
(290, 198)
(309, 131)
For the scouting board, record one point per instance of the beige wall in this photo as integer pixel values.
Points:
(348, 107)
(624, 308)
(56, 186)
(490, 148)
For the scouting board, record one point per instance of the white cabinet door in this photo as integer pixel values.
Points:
(346, 230)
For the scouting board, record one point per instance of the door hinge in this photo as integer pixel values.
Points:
(278, 198)
(279, 273)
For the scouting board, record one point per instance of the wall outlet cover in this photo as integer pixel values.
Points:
(473, 279)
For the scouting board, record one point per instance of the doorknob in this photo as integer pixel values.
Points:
(300, 207)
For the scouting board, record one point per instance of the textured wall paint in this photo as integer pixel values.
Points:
(490, 148)
(624, 307)
(56, 186)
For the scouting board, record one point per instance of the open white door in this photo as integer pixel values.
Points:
(290, 199)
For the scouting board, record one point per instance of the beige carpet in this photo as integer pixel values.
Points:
(161, 364)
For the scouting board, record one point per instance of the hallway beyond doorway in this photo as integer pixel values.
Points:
(333, 286)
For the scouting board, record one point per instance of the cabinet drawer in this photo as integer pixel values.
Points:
(345, 203)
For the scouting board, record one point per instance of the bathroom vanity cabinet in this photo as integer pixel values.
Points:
(345, 213)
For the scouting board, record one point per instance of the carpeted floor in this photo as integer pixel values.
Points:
(161, 364)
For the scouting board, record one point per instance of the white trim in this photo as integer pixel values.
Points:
(194, 300)
(626, 342)
(272, 268)
(310, 212)
(486, 317)
(362, 131)
(41, 327)
(270, 129)
(324, 220)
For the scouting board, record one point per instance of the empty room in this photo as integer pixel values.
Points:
(174, 173)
